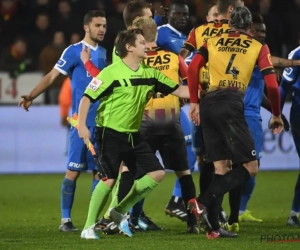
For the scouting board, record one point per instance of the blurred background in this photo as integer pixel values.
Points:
(34, 33)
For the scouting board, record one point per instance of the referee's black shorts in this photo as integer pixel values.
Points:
(225, 131)
(115, 147)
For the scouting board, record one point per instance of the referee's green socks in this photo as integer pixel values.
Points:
(141, 188)
(97, 203)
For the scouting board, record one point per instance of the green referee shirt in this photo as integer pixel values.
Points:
(124, 94)
(115, 57)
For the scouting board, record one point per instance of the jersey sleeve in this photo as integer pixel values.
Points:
(267, 70)
(290, 74)
(67, 60)
(182, 68)
(164, 84)
(199, 60)
(190, 43)
(100, 86)
(264, 61)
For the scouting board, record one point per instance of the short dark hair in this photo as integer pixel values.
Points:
(91, 14)
(257, 18)
(133, 10)
(224, 4)
(210, 6)
(126, 37)
(241, 18)
(177, 2)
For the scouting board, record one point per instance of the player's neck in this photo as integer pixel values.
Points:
(132, 62)
(224, 17)
(239, 30)
(89, 41)
(151, 45)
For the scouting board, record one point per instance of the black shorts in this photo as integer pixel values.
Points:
(225, 131)
(172, 147)
(115, 147)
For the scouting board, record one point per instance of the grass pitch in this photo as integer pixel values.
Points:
(30, 216)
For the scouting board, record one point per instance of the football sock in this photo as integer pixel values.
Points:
(214, 208)
(223, 185)
(94, 184)
(206, 176)
(188, 192)
(234, 203)
(177, 189)
(137, 209)
(141, 188)
(97, 203)
(125, 185)
(247, 190)
(114, 199)
(67, 197)
(296, 200)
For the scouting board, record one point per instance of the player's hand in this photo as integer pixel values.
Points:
(64, 122)
(25, 102)
(162, 11)
(286, 125)
(276, 124)
(195, 113)
(85, 53)
(84, 134)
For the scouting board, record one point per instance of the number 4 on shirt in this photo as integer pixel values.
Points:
(234, 70)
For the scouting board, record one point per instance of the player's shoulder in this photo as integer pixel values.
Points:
(295, 53)
(101, 48)
(203, 26)
(163, 28)
(75, 46)
(212, 24)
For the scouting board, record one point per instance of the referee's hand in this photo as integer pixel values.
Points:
(84, 134)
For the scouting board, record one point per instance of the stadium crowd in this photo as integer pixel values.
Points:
(34, 33)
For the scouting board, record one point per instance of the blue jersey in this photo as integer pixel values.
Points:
(70, 64)
(170, 39)
(190, 57)
(291, 76)
(254, 94)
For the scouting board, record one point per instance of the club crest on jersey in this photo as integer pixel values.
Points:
(94, 84)
(61, 62)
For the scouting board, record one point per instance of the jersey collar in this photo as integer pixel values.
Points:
(173, 29)
(92, 47)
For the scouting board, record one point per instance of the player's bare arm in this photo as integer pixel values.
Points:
(284, 63)
(46, 81)
(182, 92)
(184, 53)
(83, 131)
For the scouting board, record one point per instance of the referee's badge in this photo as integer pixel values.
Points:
(94, 84)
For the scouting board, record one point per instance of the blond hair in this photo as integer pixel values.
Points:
(148, 26)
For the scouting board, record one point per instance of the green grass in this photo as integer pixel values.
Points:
(30, 216)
